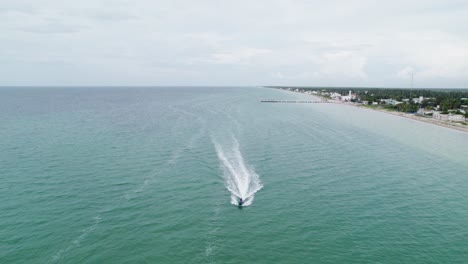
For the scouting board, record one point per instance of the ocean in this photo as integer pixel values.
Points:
(153, 174)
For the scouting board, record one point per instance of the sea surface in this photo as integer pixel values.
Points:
(152, 175)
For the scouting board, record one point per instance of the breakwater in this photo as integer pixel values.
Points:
(294, 101)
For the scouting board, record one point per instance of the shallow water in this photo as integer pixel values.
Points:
(133, 175)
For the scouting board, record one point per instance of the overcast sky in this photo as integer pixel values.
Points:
(254, 42)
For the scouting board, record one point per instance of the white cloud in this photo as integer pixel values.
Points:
(405, 73)
(302, 42)
(343, 64)
(237, 56)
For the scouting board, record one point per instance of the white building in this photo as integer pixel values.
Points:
(335, 96)
(438, 115)
(348, 97)
(418, 100)
(448, 117)
(456, 118)
(423, 111)
(390, 101)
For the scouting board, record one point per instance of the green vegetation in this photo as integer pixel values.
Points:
(405, 100)
(407, 107)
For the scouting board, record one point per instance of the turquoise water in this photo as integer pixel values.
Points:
(147, 175)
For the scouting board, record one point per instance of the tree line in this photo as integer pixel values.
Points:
(446, 99)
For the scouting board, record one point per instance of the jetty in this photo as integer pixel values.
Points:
(294, 101)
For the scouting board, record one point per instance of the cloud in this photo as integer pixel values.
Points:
(405, 73)
(237, 56)
(432, 55)
(52, 27)
(343, 64)
(180, 42)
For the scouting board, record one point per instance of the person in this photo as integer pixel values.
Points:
(241, 201)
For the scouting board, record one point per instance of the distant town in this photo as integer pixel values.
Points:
(440, 104)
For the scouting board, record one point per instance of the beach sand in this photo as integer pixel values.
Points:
(447, 124)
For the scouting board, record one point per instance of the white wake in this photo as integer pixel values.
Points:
(240, 178)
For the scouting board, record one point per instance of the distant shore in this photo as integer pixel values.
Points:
(447, 124)
(442, 123)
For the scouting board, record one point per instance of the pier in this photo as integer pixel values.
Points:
(293, 101)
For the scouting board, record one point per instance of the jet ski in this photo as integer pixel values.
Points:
(241, 202)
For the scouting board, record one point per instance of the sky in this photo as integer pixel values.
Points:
(234, 43)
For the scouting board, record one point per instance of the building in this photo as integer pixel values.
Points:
(439, 116)
(349, 97)
(418, 100)
(423, 111)
(335, 96)
(448, 117)
(390, 101)
(456, 118)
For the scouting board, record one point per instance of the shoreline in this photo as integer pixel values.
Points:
(441, 123)
(446, 124)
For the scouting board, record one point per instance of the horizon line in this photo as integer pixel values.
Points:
(264, 86)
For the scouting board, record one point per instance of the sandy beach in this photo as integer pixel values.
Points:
(447, 124)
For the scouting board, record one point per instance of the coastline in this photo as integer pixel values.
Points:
(447, 124)
(442, 123)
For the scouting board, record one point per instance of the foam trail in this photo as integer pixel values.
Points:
(241, 180)
(59, 256)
